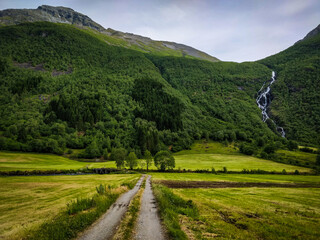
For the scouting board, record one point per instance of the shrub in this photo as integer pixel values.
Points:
(164, 160)
(246, 148)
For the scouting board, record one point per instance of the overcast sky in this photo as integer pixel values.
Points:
(232, 30)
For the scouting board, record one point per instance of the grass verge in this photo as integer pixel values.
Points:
(78, 215)
(171, 208)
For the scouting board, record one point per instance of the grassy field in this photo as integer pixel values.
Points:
(232, 162)
(253, 213)
(205, 155)
(235, 177)
(10, 161)
(25, 202)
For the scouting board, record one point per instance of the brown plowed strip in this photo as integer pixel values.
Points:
(207, 184)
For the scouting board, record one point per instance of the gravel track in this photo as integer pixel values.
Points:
(105, 227)
(148, 225)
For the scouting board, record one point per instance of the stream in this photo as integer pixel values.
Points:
(264, 100)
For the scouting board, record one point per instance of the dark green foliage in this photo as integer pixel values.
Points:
(292, 145)
(270, 148)
(148, 136)
(318, 160)
(158, 104)
(148, 159)
(91, 151)
(105, 154)
(131, 160)
(164, 160)
(119, 155)
(170, 206)
(246, 148)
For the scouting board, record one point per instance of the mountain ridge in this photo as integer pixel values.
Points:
(69, 16)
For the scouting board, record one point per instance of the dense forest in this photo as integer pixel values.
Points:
(63, 88)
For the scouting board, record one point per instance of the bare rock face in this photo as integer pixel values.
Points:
(49, 14)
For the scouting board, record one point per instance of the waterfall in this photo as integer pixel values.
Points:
(264, 100)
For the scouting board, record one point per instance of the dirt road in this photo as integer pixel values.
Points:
(106, 226)
(148, 225)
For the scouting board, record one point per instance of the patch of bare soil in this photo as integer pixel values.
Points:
(210, 184)
(38, 67)
(58, 73)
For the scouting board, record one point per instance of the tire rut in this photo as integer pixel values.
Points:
(105, 227)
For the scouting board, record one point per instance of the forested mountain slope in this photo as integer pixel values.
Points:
(296, 93)
(63, 87)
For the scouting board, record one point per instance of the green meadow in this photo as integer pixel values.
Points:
(26, 202)
(231, 162)
(252, 213)
(10, 161)
(236, 177)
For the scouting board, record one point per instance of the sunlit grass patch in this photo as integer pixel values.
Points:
(25, 202)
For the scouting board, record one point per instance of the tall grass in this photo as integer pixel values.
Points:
(170, 206)
(78, 215)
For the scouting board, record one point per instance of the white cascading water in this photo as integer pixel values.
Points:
(264, 100)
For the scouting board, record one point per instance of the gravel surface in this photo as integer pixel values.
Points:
(106, 226)
(148, 225)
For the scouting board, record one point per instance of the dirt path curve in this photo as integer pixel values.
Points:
(148, 225)
(105, 227)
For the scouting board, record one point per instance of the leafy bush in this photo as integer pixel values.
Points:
(164, 160)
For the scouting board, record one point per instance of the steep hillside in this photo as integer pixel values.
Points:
(112, 37)
(296, 93)
(64, 87)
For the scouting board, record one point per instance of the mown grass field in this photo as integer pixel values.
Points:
(249, 213)
(253, 213)
(236, 177)
(207, 155)
(25, 202)
(231, 162)
(11, 161)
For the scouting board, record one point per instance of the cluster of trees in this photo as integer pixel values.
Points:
(162, 160)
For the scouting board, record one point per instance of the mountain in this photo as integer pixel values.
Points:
(65, 86)
(296, 92)
(112, 37)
